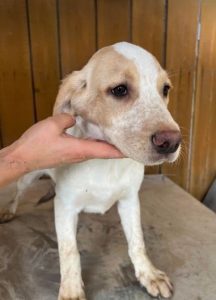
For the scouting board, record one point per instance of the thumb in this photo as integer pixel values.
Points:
(64, 121)
(96, 149)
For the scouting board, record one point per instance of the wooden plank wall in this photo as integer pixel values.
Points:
(181, 65)
(16, 91)
(43, 40)
(203, 155)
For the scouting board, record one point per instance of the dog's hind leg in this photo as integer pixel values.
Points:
(66, 219)
(155, 281)
(8, 213)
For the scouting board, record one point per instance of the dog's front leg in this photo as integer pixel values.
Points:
(66, 219)
(155, 281)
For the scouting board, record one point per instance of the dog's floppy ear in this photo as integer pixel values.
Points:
(71, 88)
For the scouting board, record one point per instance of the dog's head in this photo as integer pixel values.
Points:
(124, 91)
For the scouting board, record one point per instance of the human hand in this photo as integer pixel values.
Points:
(46, 145)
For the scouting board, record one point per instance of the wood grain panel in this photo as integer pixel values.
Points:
(44, 46)
(148, 26)
(113, 21)
(203, 169)
(16, 103)
(181, 65)
(149, 33)
(77, 33)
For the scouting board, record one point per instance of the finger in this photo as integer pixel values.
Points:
(64, 120)
(93, 149)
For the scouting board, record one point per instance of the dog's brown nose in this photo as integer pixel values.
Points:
(166, 142)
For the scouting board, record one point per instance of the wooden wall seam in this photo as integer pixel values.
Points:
(96, 24)
(130, 13)
(31, 62)
(59, 39)
(166, 12)
(194, 94)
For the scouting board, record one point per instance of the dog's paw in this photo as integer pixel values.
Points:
(71, 294)
(77, 298)
(6, 215)
(80, 297)
(157, 283)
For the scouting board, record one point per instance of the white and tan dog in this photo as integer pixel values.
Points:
(120, 96)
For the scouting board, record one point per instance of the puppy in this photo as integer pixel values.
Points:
(119, 96)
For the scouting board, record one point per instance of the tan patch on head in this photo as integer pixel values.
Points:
(89, 91)
(110, 69)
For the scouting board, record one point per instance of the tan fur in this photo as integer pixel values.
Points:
(93, 101)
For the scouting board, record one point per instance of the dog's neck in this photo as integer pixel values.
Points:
(86, 129)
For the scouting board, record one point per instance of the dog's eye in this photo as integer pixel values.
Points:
(120, 91)
(166, 89)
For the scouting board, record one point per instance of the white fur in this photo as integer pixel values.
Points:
(144, 61)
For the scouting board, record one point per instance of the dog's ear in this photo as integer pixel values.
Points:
(71, 89)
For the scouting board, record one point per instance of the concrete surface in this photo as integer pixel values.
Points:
(179, 233)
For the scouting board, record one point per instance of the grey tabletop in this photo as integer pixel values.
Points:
(178, 230)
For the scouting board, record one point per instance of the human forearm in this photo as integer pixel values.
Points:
(11, 166)
(45, 145)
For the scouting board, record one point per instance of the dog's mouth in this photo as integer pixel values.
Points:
(149, 157)
(157, 159)
(143, 153)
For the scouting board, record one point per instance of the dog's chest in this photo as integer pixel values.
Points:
(95, 185)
